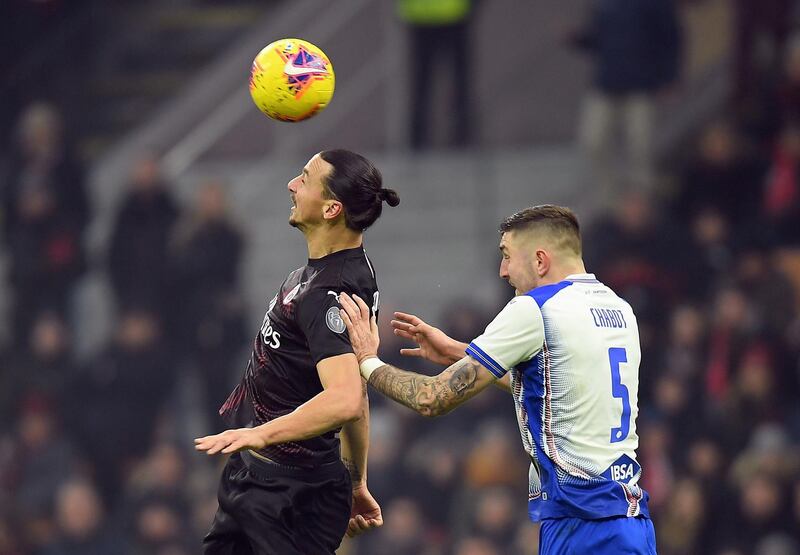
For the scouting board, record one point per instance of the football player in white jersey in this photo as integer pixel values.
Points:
(567, 348)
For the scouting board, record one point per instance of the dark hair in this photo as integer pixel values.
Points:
(357, 184)
(558, 221)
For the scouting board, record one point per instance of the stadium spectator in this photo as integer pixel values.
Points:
(759, 273)
(765, 23)
(656, 446)
(81, 522)
(45, 210)
(731, 330)
(121, 397)
(160, 527)
(10, 542)
(722, 175)
(707, 464)
(44, 366)
(439, 36)
(208, 314)
(636, 51)
(40, 461)
(760, 512)
(683, 519)
(495, 517)
(138, 251)
(781, 200)
(642, 256)
(713, 253)
(755, 395)
(435, 467)
(780, 99)
(160, 475)
(405, 530)
(684, 353)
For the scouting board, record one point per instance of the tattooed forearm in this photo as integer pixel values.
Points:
(355, 472)
(428, 395)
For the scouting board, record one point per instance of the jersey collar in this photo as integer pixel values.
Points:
(357, 251)
(581, 278)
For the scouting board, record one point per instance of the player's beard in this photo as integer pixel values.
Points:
(295, 222)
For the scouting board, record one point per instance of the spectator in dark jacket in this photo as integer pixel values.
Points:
(722, 175)
(138, 252)
(781, 200)
(80, 517)
(635, 49)
(208, 317)
(120, 398)
(45, 210)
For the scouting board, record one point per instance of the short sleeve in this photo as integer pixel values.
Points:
(515, 335)
(319, 319)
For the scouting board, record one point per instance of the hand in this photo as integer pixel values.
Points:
(362, 327)
(434, 345)
(231, 441)
(366, 512)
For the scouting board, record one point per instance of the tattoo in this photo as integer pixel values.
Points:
(352, 468)
(428, 395)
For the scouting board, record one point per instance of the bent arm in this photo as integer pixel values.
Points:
(336, 405)
(433, 395)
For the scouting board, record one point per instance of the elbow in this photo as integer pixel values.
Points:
(429, 409)
(351, 411)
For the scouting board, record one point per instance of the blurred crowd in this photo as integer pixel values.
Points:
(96, 455)
(94, 451)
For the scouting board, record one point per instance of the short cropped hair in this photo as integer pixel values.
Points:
(558, 222)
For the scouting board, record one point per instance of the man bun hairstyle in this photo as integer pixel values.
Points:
(358, 185)
(559, 222)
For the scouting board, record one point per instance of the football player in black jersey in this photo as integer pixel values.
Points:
(287, 488)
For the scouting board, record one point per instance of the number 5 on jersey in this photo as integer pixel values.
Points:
(616, 356)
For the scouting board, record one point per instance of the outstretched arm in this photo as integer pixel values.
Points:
(433, 344)
(432, 395)
(337, 404)
(427, 395)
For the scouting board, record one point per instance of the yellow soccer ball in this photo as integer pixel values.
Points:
(291, 80)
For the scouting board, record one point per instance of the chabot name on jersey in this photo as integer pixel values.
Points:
(608, 318)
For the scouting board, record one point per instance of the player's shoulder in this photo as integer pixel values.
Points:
(522, 308)
(357, 274)
(351, 274)
(541, 295)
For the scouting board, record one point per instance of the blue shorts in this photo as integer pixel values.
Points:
(609, 536)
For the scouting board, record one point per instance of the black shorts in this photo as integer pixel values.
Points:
(267, 509)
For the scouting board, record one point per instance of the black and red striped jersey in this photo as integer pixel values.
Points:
(301, 327)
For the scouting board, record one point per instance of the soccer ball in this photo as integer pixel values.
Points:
(291, 80)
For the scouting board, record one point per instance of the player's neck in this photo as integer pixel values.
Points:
(560, 272)
(323, 241)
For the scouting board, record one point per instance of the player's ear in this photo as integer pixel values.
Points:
(331, 208)
(542, 262)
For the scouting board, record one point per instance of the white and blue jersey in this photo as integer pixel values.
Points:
(573, 352)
